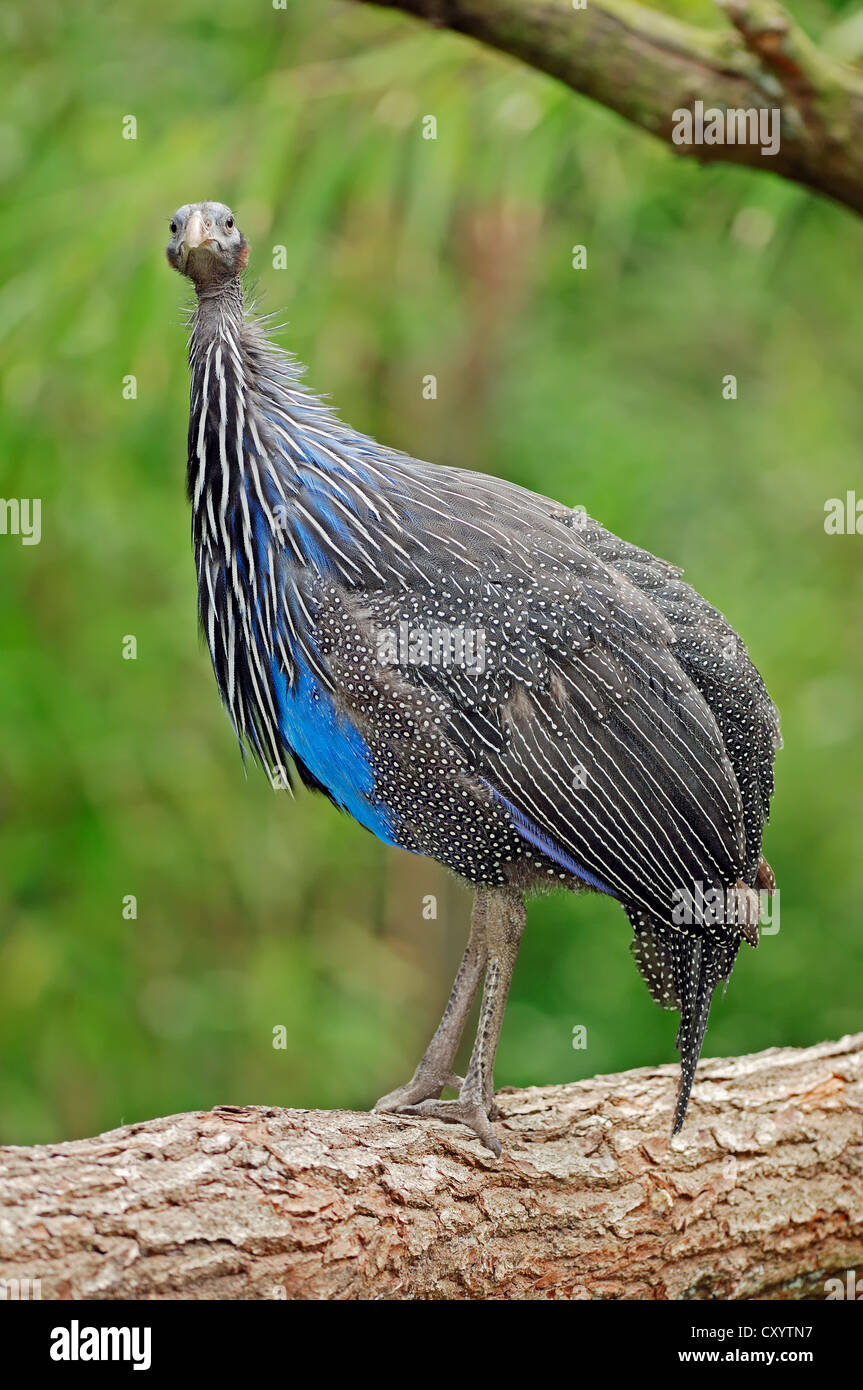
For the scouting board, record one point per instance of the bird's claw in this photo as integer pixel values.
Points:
(460, 1112)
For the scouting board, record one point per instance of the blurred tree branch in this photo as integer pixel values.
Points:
(760, 1197)
(646, 65)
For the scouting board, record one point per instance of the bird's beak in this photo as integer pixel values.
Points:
(196, 232)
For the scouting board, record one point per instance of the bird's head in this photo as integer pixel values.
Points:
(206, 244)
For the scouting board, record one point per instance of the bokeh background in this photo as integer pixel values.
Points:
(600, 387)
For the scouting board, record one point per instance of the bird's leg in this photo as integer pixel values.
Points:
(504, 926)
(435, 1068)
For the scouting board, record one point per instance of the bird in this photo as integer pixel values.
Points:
(476, 674)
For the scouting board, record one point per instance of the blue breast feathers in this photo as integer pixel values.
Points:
(331, 747)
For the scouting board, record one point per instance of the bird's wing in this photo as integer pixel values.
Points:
(715, 659)
(583, 721)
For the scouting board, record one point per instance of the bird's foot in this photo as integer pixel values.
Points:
(464, 1111)
(423, 1085)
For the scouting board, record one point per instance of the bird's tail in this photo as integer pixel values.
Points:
(701, 963)
(682, 968)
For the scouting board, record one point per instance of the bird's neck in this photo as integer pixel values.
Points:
(219, 307)
(249, 398)
(270, 466)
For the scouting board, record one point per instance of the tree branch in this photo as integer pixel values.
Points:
(646, 65)
(760, 1197)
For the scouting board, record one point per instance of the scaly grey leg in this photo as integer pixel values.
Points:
(435, 1069)
(504, 926)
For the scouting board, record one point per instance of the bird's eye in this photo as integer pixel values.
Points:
(229, 222)
(173, 229)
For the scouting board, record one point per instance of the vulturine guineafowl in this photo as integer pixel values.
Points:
(474, 673)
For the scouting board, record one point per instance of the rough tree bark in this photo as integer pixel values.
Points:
(645, 65)
(760, 1197)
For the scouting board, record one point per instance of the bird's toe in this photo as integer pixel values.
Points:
(459, 1112)
(422, 1087)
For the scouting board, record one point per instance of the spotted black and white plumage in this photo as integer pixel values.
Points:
(617, 737)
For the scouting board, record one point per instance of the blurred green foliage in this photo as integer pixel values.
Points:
(602, 387)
